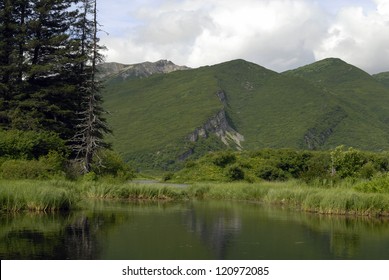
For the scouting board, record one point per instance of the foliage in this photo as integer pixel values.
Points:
(109, 163)
(377, 184)
(45, 167)
(235, 173)
(270, 173)
(346, 163)
(48, 91)
(223, 159)
(326, 167)
(18, 144)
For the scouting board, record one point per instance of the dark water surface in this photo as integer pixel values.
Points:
(191, 230)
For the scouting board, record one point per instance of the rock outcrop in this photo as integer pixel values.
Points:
(219, 126)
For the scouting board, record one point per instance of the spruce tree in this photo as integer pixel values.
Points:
(14, 15)
(92, 126)
(46, 100)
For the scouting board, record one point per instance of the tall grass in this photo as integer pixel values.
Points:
(336, 200)
(31, 195)
(132, 191)
(64, 195)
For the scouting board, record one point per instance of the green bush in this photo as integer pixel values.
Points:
(47, 166)
(347, 163)
(18, 144)
(235, 173)
(167, 176)
(109, 163)
(271, 173)
(224, 158)
(378, 184)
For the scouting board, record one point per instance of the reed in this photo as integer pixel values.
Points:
(132, 191)
(294, 194)
(61, 195)
(31, 195)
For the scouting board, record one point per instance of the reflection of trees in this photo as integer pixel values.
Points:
(79, 239)
(44, 237)
(216, 230)
(343, 245)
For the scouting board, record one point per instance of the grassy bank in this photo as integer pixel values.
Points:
(57, 195)
(63, 195)
(33, 195)
(339, 200)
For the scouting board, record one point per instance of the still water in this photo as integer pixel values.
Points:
(191, 230)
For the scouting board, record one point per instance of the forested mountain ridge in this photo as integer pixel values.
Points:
(166, 118)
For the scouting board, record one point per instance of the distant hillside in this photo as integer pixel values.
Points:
(383, 78)
(113, 70)
(363, 100)
(162, 119)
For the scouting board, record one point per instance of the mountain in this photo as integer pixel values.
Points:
(113, 70)
(161, 119)
(363, 100)
(383, 78)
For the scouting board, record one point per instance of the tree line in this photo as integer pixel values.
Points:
(49, 50)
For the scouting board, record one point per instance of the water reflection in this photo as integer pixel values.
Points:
(192, 230)
(216, 231)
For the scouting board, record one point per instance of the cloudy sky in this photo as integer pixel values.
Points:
(277, 34)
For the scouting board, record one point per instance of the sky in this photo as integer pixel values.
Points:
(277, 34)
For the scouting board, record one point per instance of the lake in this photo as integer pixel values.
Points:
(191, 230)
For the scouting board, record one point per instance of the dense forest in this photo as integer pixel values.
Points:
(50, 101)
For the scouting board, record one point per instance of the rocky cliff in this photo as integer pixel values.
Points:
(219, 126)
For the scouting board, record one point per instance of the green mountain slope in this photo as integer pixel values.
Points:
(161, 120)
(364, 101)
(152, 118)
(383, 78)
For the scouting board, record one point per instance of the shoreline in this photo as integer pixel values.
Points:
(62, 195)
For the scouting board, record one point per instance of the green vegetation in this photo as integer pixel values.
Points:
(31, 195)
(383, 78)
(341, 181)
(339, 200)
(58, 195)
(317, 107)
(50, 100)
(328, 167)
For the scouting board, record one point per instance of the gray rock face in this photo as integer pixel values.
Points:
(219, 126)
(135, 71)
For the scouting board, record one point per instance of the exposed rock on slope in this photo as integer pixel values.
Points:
(140, 70)
(218, 125)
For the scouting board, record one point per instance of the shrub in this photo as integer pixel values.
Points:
(271, 173)
(378, 184)
(223, 159)
(235, 173)
(18, 144)
(347, 163)
(109, 163)
(167, 176)
(368, 170)
(46, 167)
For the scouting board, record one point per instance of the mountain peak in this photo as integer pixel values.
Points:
(140, 70)
(331, 71)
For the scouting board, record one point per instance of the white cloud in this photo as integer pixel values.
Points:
(278, 34)
(359, 38)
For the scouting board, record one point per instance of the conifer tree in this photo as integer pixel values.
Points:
(89, 138)
(13, 33)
